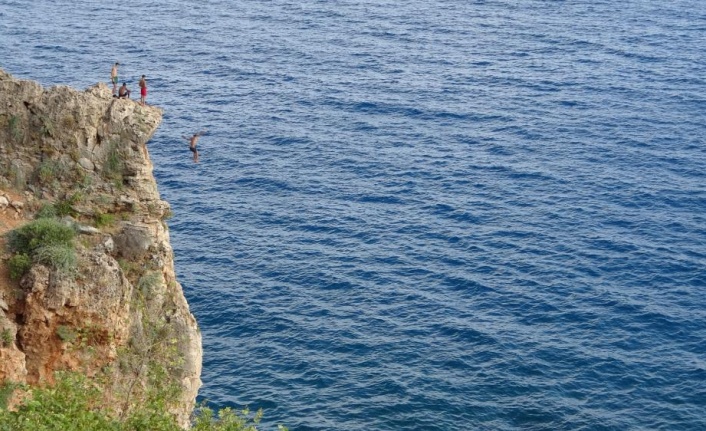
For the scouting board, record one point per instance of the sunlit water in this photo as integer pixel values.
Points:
(422, 215)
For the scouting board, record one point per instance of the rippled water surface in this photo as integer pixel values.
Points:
(422, 215)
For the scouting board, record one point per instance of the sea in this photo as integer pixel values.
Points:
(422, 215)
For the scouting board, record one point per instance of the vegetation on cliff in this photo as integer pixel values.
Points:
(74, 404)
(43, 241)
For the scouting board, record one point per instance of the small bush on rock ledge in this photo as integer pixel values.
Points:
(103, 220)
(6, 338)
(46, 211)
(19, 264)
(58, 256)
(46, 241)
(40, 233)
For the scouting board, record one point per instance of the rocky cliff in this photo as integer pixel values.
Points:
(119, 314)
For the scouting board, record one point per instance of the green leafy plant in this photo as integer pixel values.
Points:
(47, 210)
(46, 241)
(19, 264)
(47, 126)
(149, 281)
(113, 165)
(39, 233)
(76, 403)
(61, 257)
(6, 337)
(66, 333)
(102, 220)
(76, 197)
(6, 391)
(72, 404)
(68, 121)
(15, 130)
(64, 207)
(104, 199)
(49, 170)
(17, 177)
(226, 419)
(131, 269)
(86, 181)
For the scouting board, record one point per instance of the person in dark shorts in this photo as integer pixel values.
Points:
(124, 92)
(192, 144)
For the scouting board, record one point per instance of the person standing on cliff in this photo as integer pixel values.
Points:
(143, 90)
(114, 77)
(192, 144)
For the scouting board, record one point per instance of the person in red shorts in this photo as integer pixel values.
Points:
(143, 90)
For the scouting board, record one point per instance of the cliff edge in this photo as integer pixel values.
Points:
(117, 312)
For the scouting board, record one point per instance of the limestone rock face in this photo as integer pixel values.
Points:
(49, 137)
(86, 152)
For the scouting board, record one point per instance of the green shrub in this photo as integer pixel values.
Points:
(60, 208)
(66, 334)
(104, 199)
(227, 419)
(76, 197)
(149, 282)
(130, 268)
(68, 122)
(104, 220)
(113, 165)
(6, 390)
(19, 264)
(49, 170)
(40, 233)
(15, 129)
(61, 257)
(74, 403)
(86, 181)
(64, 208)
(17, 176)
(47, 126)
(46, 241)
(46, 211)
(6, 337)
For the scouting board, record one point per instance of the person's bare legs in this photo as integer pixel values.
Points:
(143, 90)
(114, 77)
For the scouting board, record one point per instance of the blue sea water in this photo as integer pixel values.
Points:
(422, 215)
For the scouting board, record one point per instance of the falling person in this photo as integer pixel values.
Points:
(192, 144)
